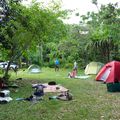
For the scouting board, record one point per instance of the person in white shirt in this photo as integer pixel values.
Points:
(75, 66)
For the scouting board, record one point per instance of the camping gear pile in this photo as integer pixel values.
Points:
(5, 96)
(65, 96)
(37, 95)
(52, 87)
(41, 89)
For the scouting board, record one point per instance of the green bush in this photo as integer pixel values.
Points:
(46, 64)
(51, 64)
(68, 65)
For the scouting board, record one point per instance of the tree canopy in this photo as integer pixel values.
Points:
(25, 28)
(37, 34)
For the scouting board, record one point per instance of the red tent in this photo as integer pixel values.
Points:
(110, 73)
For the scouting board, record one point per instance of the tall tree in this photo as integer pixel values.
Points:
(29, 27)
(104, 30)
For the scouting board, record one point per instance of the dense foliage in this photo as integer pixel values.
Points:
(104, 32)
(26, 29)
(37, 34)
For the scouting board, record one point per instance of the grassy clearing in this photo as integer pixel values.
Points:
(91, 101)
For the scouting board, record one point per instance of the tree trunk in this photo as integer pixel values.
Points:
(6, 75)
(108, 52)
(41, 53)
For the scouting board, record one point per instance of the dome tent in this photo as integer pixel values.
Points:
(110, 74)
(34, 69)
(93, 68)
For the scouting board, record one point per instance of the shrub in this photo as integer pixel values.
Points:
(51, 64)
(68, 65)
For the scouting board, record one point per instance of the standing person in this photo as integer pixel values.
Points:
(75, 66)
(57, 63)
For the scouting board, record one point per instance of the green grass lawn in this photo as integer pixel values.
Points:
(91, 101)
